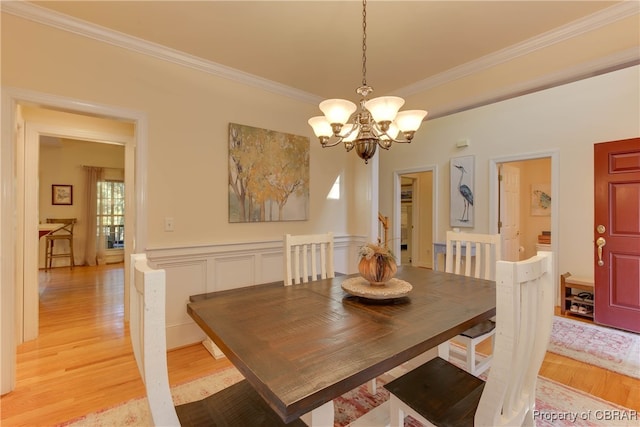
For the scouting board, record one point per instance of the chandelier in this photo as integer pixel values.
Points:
(377, 123)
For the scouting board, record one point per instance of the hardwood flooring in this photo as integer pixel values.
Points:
(83, 362)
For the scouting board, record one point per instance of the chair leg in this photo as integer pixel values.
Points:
(396, 413)
(443, 350)
(48, 255)
(471, 358)
(72, 261)
(372, 387)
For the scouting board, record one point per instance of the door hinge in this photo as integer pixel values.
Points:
(500, 177)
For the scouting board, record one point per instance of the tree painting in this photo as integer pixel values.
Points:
(268, 175)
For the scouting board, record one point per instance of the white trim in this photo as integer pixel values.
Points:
(7, 246)
(397, 202)
(135, 227)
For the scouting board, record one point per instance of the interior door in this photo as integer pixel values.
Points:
(509, 221)
(617, 234)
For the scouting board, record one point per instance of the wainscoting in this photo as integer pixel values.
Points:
(209, 268)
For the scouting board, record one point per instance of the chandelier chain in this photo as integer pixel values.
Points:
(364, 43)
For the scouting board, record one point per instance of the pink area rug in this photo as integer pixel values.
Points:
(607, 348)
(557, 405)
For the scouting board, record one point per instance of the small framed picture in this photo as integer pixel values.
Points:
(540, 199)
(61, 194)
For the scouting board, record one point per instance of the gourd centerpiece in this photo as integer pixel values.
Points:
(377, 264)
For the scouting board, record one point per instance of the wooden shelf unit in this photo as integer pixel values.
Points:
(568, 284)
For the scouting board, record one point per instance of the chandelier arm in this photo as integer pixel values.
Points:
(337, 141)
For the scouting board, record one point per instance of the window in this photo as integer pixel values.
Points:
(111, 213)
(334, 193)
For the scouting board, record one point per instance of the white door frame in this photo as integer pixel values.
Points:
(555, 192)
(11, 226)
(397, 202)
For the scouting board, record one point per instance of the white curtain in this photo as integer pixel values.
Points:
(94, 251)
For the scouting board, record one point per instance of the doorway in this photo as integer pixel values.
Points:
(68, 161)
(414, 216)
(19, 170)
(524, 214)
(533, 218)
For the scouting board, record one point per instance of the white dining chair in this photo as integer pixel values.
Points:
(308, 257)
(440, 393)
(471, 255)
(236, 405)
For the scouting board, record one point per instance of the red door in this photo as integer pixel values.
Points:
(617, 234)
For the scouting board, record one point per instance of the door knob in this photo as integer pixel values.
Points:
(601, 229)
(600, 242)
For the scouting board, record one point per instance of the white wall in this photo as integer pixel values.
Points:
(569, 118)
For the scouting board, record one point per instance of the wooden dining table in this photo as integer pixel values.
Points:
(303, 345)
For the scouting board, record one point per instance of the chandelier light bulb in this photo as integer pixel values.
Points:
(410, 120)
(384, 108)
(337, 111)
(321, 126)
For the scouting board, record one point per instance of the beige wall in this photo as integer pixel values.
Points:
(188, 115)
(567, 119)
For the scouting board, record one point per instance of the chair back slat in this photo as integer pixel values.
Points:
(481, 252)
(312, 250)
(524, 313)
(148, 337)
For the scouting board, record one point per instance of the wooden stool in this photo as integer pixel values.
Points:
(64, 232)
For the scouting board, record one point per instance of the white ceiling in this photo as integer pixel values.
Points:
(316, 46)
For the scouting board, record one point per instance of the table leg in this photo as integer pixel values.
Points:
(320, 417)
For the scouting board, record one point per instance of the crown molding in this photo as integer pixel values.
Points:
(60, 21)
(589, 23)
(619, 60)
(607, 16)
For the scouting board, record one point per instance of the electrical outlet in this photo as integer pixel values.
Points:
(168, 224)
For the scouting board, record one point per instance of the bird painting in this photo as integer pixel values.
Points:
(466, 193)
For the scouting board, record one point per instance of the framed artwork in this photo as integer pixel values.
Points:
(268, 175)
(540, 199)
(462, 171)
(61, 194)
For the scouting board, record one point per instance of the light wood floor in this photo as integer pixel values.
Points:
(82, 361)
